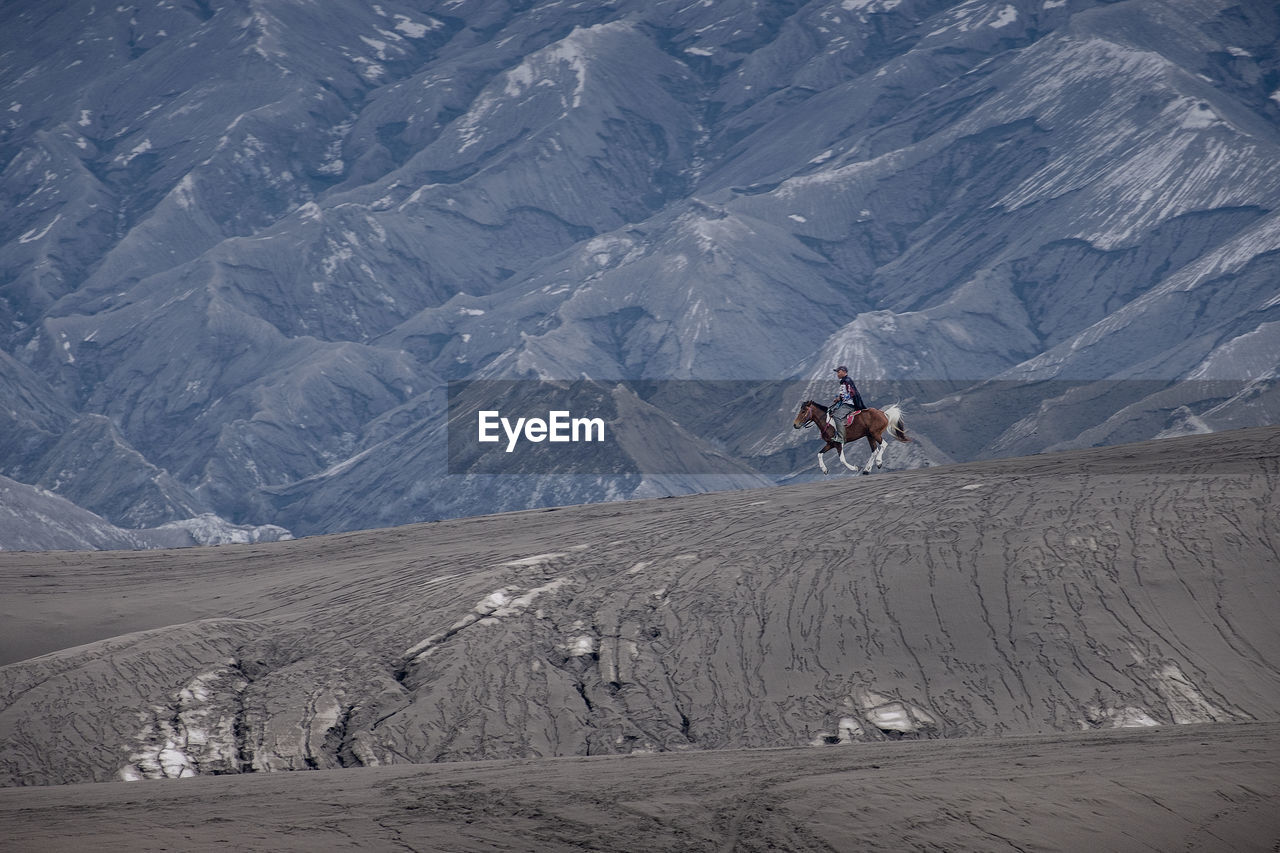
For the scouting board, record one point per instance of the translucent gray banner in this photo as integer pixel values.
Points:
(666, 427)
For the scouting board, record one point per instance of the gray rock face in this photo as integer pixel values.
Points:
(248, 244)
(35, 519)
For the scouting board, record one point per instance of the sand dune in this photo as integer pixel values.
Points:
(993, 613)
(1192, 788)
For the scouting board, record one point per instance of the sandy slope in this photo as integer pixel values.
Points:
(1130, 586)
(1190, 788)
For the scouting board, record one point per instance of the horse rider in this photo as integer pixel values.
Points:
(846, 402)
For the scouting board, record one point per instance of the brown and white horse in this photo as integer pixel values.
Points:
(870, 423)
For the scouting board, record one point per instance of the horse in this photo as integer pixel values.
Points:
(870, 423)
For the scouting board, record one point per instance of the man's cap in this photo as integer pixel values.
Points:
(840, 368)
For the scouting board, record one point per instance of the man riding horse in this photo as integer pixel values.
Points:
(846, 403)
(871, 423)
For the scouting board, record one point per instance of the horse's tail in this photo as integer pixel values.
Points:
(896, 426)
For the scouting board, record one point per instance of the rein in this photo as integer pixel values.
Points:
(812, 420)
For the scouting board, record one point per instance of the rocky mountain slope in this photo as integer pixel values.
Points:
(34, 519)
(248, 243)
(1125, 587)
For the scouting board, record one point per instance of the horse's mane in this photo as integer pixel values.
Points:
(813, 403)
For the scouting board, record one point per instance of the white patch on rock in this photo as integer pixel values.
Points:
(1127, 717)
(33, 235)
(889, 714)
(141, 148)
(1199, 116)
(194, 735)
(414, 29)
(536, 559)
(1008, 15)
(499, 604)
(184, 192)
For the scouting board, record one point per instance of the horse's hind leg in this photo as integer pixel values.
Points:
(880, 453)
(866, 469)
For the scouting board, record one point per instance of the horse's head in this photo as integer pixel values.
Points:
(808, 414)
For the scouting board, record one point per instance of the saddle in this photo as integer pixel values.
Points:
(848, 421)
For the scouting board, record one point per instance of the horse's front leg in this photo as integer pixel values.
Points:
(846, 461)
(822, 463)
